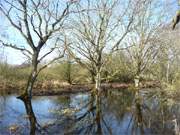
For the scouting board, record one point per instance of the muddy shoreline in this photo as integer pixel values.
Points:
(78, 88)
(75, 88)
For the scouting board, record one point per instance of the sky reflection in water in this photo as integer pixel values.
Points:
(116, 112)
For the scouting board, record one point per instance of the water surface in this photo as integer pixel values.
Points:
(117, 112)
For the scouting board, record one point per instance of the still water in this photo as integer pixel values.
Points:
(116, 112)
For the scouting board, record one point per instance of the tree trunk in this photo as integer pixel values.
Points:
(167, 72)
(32, 77)
(31, 82)
(136, 81)
(137, 77)
(98, 81)
(27, 95)
(68, 73)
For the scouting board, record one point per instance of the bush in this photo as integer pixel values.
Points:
(12, 73)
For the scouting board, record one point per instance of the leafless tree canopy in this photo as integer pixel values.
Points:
(41, 23)
(144, 37)
(99, 30)
(38, 21)
(91, 31)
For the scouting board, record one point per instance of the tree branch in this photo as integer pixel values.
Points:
(15, 47)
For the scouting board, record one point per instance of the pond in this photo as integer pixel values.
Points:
(116, 112)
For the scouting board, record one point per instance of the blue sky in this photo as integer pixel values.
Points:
(8, 33)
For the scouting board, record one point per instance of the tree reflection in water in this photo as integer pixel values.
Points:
(107, 112)
(135, 113)
(91, 122)
(34, 126)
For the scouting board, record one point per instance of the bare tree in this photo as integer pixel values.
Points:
(144, 37)
(41, 24)
(98, 31)
(167, 62)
